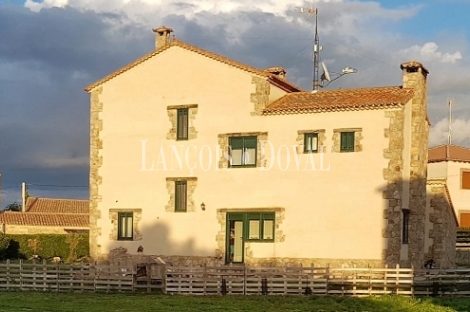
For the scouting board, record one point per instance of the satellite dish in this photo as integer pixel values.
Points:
(326, 74)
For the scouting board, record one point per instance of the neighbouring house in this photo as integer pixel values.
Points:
(198, 158)
(452, 164)
(47, 216)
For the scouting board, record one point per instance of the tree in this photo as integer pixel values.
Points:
(13, 207)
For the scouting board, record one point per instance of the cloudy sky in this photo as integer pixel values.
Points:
(50, 50)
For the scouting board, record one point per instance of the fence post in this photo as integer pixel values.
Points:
(397, 278)
(354, 280)
(21, 274)
(44, 274)
(327, 281)
(204, 278)
(385, 279)
(8, 274)
(412, 284)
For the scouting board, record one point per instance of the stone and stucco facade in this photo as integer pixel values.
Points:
(335, 206)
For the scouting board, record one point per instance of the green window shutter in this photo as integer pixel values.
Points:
(310, 142)
(182, 124)
(181, 196)
(347, 141)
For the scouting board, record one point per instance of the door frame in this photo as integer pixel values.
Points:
(234, 217)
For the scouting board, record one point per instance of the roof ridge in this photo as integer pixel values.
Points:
(53, 198)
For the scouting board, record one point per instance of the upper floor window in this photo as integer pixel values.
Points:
(182, 124)
(243, 151)
(311, 142)
(125, 226)
(466, 180)
(181, 196)
(347, 142)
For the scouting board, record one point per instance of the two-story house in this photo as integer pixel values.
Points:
(198, 158)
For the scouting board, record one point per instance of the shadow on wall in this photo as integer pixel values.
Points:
(420, 223)
(157, 242)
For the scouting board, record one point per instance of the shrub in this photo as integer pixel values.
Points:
(66, 246)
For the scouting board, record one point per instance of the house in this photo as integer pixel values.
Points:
(47, 216)
(452, 163)
(200, 159)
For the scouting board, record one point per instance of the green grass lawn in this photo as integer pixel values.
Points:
(125, 302)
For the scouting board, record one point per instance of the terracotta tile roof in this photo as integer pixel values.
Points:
(45, 219)
(340, 100)
(56, 205)
(448, 152)
(176, 43)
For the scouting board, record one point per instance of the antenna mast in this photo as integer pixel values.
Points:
(316, 47)
(450, 102)
(316, 55)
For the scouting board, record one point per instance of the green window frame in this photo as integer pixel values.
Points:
(243, 151)
(125, 226)
(310, 143)
(181, 196)
(347, 142)
(182, 124)
(260, 227)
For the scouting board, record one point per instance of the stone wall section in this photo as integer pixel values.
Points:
(136, 217)
(260, 98)
(190, 187)
(444, 227)
(172, 112)
(96, 161)
(393, 176)
(415, 76)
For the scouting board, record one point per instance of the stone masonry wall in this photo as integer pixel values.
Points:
(443, 232)
(260, 98)
(393, 176)
(415, 76)
(96, 161)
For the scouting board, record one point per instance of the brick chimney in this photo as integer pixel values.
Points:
(162, 38)
(277, 71)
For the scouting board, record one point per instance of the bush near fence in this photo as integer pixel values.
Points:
(48, 245)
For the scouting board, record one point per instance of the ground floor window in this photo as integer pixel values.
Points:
(125, 226)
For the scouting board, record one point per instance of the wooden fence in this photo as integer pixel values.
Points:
(83, 277)
(228, 280)
(316, 281)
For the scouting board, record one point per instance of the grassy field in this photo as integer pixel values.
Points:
(95, 302)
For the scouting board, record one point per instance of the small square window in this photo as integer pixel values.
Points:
(243, 151)
(311, 143)
(347, 142)
(125, 226)
(466, 180)
(181, 194)
(260, 226)
(182, 124)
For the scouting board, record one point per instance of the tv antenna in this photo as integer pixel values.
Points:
(317, 84)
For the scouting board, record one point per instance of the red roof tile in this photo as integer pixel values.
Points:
(45, 219)
(56, 205)
(340, 100)
(448, 152)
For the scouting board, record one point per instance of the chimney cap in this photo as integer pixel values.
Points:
(414, 65)
(162, 29)
(276, 70)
